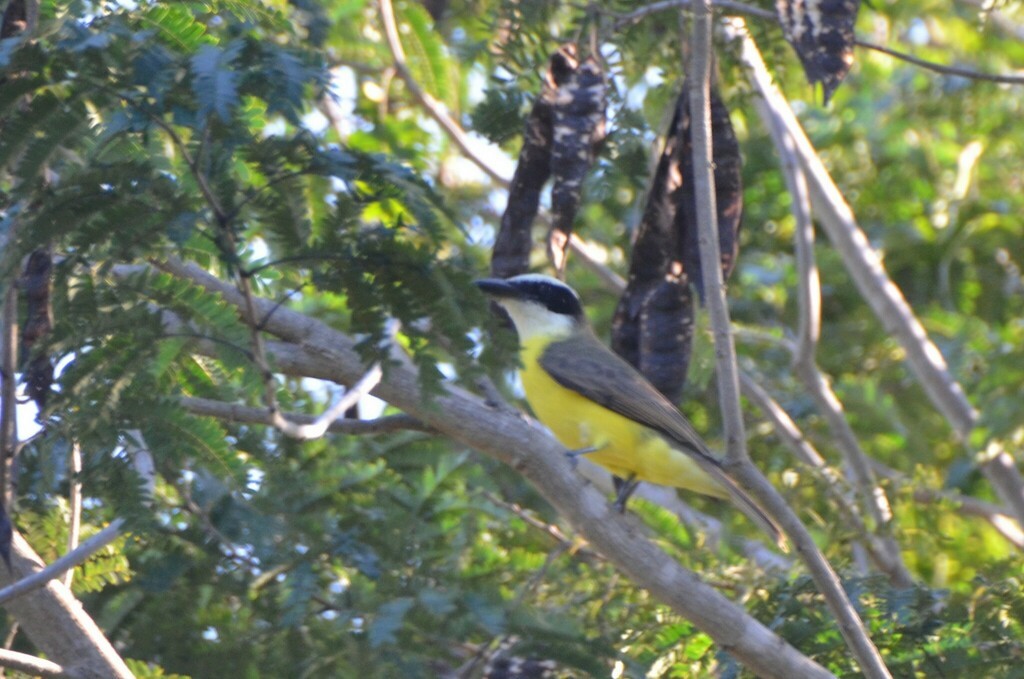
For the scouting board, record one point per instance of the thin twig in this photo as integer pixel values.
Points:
(574, 547)
(70, 560)
(30, 664)
(996, 515)
(737, 460)
(583, 249)
(806, 367)
(878, 549)
(433, 107)
(318, 427)
(234, 412)
(941, 68)
(74, 504)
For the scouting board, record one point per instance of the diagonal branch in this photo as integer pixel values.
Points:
(433, 107)
(319, 351)
(870, 277)
(806, 367)
(319, 426)
(30, 665)
(57, 568)
(737, 461)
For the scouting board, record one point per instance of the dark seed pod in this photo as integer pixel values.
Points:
(511, 253)
(653, 247)
(578, 131)
(728, 172)
(666, 334)
(821, 32)
(563, 132)
(35, 285)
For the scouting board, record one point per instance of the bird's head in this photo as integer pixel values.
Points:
(538, 305)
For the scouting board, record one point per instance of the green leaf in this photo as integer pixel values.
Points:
(431, 67)
(178, 26)
(215, 80)
(388, 621)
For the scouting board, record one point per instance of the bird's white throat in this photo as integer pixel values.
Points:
(535, 320)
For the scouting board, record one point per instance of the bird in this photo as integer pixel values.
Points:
(599, 406)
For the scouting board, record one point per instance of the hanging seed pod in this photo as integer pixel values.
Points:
(35, 284)
(821, 32)
(578, 131)
(666, 334)
(511, 253)
(653, 247)
(728, 172)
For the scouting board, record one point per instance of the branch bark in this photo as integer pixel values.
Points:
(29, 664)
(8, 395)
(314, 349)
(56, 622)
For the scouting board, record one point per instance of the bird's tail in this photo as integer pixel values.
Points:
(748, 506)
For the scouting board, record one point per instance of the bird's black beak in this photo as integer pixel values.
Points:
(497, 287)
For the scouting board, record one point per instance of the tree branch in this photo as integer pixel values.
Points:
(8, 395)
(996, 516)
(737, 460)
(743, 8)
(433, 107)
(880, 551)
(869, 275)
(699, 78)
(317, 350)
(885, 550)
(75, 557)
(860, 259)
(74, 505)
(56, 622)
(31, 665)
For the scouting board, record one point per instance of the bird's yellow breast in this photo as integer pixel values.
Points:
(624, 447)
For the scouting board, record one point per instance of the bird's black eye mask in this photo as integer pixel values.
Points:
(556, 298)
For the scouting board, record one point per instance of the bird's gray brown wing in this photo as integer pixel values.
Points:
(591, 369)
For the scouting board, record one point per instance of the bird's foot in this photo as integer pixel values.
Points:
(624, 490)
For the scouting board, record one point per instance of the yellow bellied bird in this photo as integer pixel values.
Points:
(597, 404)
